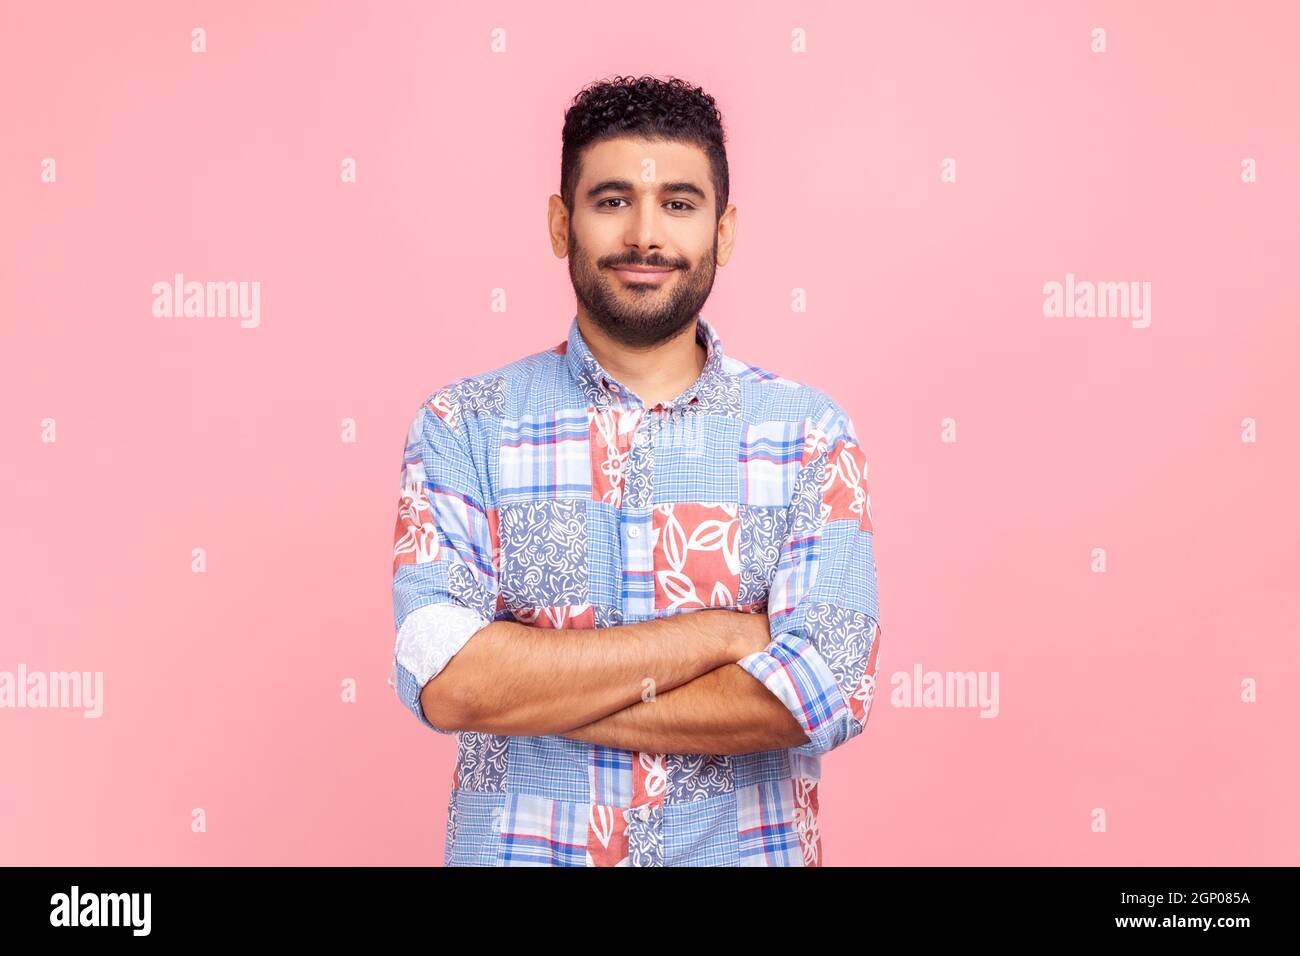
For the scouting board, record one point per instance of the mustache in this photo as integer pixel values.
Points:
(651, 263)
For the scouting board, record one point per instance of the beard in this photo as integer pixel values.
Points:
(648, 315)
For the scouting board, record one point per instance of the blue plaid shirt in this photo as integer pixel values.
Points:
(545, 492)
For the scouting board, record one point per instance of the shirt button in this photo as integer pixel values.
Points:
(634, 532)
(644, 812)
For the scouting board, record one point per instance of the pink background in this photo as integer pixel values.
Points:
(222, 690)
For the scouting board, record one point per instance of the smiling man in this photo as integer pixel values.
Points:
(633, 574)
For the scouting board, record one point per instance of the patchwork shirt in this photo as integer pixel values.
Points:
(546, 492)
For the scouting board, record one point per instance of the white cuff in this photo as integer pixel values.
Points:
(431, 635)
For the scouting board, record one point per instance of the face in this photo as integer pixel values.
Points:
(642, 254)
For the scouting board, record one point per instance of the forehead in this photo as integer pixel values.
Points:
(623, 158)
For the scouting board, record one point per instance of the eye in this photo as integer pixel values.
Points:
(683, 205)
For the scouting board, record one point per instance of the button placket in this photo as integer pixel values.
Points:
(636, 539)
(645, 838)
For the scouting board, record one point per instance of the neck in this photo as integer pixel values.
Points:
(656, 374)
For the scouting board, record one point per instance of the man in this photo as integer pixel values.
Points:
(634, 574)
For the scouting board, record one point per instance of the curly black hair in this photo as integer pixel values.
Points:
(646, 107)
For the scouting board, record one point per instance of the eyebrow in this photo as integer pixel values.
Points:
(625, 186)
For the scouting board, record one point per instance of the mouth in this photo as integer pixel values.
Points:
(643, 274)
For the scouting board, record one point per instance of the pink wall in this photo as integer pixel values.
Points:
(1119, 690)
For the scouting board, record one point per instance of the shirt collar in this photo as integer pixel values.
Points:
(715, 390)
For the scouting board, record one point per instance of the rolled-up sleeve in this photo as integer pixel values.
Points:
(444, 575)
(822, 604)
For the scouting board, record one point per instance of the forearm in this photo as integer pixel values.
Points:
(725, 711)
(518, 680)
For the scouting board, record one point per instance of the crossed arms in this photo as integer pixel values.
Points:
(669, 685)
